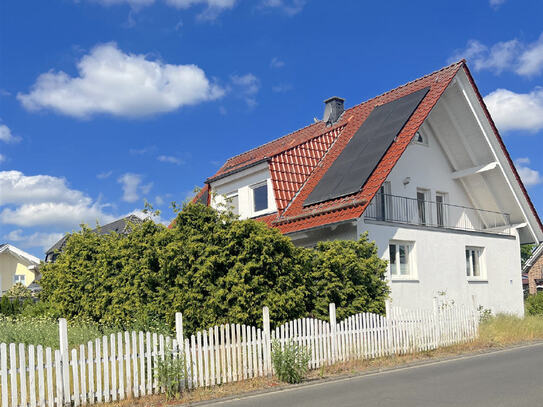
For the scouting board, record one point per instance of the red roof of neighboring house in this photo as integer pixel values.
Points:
(298, 161)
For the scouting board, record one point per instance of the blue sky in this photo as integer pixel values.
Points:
(105, 103)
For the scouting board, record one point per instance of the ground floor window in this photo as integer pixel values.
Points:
(401, 262)
(18, 278)
(473, 262)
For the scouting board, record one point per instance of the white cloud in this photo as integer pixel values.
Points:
(277, 63)
(514, 55)
(528, 175)
(36, 239)
(246, 86)
(159, 200)
(132, 186)
(496, 3)
(282, 87)
(6, 136)
(18, 188)
(126, 85)
(45, 200)
(60, 214)
(531, 60)
(516, 111)
(169, 159)
(2, 158)
(212, 10)
(104, 175)
(289, 7)
(213, 7)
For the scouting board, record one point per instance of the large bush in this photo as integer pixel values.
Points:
(214, 269)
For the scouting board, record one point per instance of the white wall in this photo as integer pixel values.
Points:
(242, 183)
(439, 255)
(439, 260)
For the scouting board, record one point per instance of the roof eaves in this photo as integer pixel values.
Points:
(236, 170)
(502, 144)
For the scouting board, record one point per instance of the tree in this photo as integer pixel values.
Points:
(348, 273)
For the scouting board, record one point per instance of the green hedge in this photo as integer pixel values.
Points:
(214, 269)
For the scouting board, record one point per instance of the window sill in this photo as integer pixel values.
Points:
(404, 279)
(477, 280)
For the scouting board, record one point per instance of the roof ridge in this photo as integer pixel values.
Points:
(462, 61)
(274, 140)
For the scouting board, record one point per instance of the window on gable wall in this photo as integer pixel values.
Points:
(260, 197)
(420, 139)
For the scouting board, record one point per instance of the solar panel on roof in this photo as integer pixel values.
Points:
(350, 171)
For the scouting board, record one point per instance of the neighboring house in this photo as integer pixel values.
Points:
(534, 269)
(119, 226)
(17, 266)
(422, 168)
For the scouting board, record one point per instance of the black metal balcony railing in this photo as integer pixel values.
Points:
(412, 211)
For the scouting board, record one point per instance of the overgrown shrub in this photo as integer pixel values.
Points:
(290, 362)
(534, 304)
(348, 273)
(170, 373)
(214, 269)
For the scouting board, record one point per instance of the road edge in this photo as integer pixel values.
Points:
(369, 372)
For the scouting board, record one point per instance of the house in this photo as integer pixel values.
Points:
(119, 226)
(534, 270)
(421, 168)
(17, 266)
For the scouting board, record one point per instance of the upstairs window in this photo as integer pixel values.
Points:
(474, 262)
(232, 201)
(260, 197)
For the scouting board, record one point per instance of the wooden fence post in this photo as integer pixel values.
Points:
(65, 358)
(267, 339)
(179, 329)
(332, 308)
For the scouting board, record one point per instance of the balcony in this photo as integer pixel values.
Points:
(431, 214)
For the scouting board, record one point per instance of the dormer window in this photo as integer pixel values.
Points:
(260, 197)
(232, 201)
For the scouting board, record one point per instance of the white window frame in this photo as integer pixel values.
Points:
(229, 197)
(424, 141)
(252, 198)
(444, 208)
(468, 270)
(19, 278)
(411, 261)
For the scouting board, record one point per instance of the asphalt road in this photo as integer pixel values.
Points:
(508, 378)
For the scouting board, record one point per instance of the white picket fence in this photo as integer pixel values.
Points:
(122, 365)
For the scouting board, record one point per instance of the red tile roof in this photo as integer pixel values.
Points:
(298, 160)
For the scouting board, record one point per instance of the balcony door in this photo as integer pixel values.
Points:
(422, 200)
(383, 202)
(441, 209)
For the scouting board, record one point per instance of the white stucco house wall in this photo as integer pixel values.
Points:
(422, 169)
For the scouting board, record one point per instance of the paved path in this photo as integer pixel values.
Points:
(508, 378)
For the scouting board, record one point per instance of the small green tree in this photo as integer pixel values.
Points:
(348, 273)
